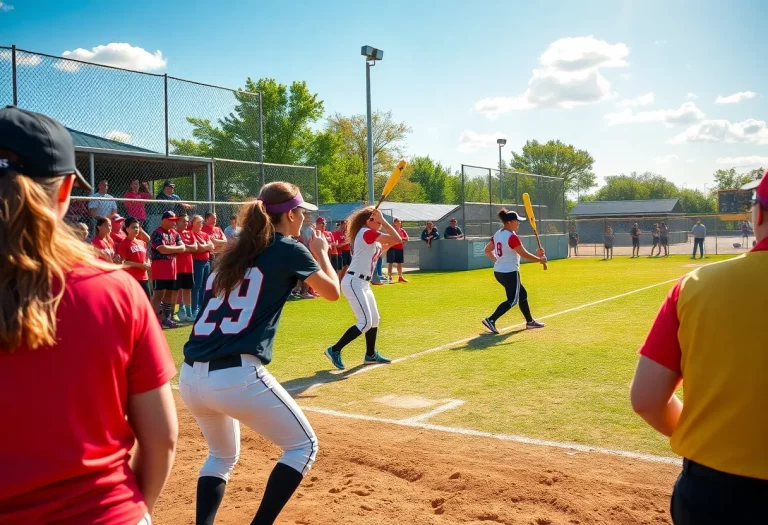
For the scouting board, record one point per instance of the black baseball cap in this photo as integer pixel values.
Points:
(513, 216)
(170, 215)
(44, 147)
(168, 183)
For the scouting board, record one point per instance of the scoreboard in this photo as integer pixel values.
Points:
(734, 204)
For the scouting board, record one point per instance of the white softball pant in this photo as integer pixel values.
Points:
(360, 297)
(219, 400)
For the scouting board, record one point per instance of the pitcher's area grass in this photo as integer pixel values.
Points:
(566, 382)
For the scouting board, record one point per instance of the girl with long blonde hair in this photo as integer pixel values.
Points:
(84, 366)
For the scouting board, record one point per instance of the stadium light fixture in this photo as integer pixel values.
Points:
(371, 55)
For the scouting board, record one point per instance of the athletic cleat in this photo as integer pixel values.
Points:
(335, 358)
(490, 325)
(183, 318)
(170, 323)
(176, 318)
(376, 359)
(308, 295)
(534, 324)
(401, 280)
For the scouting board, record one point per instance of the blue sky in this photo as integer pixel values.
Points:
(636, 83)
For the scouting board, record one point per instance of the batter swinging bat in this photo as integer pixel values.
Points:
(532, 219)
(391, 182)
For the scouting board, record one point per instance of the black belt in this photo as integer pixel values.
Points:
(698, 470)
(362, 277)
(220, 363)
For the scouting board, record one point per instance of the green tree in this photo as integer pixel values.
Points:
(433, 179)
(636, 186)
(731, 179)
(557, 159)
(695, 201)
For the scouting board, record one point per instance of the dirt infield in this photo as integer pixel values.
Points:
(374, 473)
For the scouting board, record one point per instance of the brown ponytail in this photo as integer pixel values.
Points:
(355, 223)
(258, 229)
(37, 250)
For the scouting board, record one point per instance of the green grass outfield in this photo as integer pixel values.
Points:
(568, 382)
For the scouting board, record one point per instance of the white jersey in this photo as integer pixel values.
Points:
(366, 252)
(504, 244)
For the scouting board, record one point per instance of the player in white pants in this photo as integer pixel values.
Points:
(370, 233)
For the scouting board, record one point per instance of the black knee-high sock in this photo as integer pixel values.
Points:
(282, 483)
(350, 335)
(210, 492)
(370, 341)
(500, 310)
(526, 310)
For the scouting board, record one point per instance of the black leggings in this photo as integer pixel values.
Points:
(516, 295)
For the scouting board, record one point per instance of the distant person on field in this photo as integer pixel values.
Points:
(201, 263)
(745, 234)
(721, 430)
(573, 241)
(429, 234)
(699, 233)
(396, 254)
(305, 235)
(233, 230)
(137, 209)
(635, 234)
(166, 244)
(102, 208)
(345, 253)
(656, 233)
(664, 238)
(185, 277)
(133, 254)
(453, 231)
(608, 243)
(89, 421)
(103, 242)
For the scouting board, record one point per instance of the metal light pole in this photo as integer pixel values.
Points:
(371, 55)
(501, 143)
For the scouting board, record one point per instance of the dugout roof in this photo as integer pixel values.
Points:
(637, 208)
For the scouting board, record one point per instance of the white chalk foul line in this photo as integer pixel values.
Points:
(450, 405)
(502, 437)
(460, 342)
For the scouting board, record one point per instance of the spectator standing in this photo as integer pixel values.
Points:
(608, 243)
(720, 430)
(345, 253)
(216, 234)
(656, 233)
(74, 405)
(137, 209)
(167, 194)
(429, 234)
(233, 230)
(166, 244)
(185, 280)
(745, 234)
(453, 231)
(396, 253)
(305, 235)
(664, 238)
(333, 250)
(116, 233)
(573, 241)
(699, 233)
(102, 208)
(102, 240)
(133, 253)
(635, 234)
(201, 264)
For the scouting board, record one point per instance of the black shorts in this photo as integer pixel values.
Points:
(664, 241)
(635, 242)
(608, 246)
(185, 281)
(655, 241)
(145, 286)
(346, 258)
(165, 284)
(396, 256)
(335, 261)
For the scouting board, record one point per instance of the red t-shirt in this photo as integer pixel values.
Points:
(184, 260)
(342, 240)
(214, 232)
(117, 237)
(136, 209)
(201, 237)
(331, 238)
(106, 245)
(403, 236)
(134, 251)
(66, 442)
(164, 264)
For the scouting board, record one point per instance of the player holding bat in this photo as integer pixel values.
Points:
(505, 249)
(369, 233)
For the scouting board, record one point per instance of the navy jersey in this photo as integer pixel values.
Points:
(244, 321)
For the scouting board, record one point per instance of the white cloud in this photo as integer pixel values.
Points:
(119, 136)
(666, 159)
(569, 76)
(691, 96)
(471, 141)
(642, 100)
(750, 131)
(688, 113)
(625, 76)
(119, 55)
(753, 161)
(68, 66)
(660, 42)
(690, 161)
(22, 59)
(5, 7)
(736, 97)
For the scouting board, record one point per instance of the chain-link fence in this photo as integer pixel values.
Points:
(674, 235)
(112, 108)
